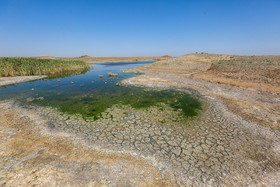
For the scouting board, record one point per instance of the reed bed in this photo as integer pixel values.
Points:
(16, 66)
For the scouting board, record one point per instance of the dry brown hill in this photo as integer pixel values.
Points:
(186, 64)
(166, 56)
(85, 56)
(259, 72)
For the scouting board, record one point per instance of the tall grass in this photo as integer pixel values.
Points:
(33, 66)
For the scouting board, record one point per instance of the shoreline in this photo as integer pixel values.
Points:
(255, 105)
(5, 81)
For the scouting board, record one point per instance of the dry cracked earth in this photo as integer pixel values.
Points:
(152, 147)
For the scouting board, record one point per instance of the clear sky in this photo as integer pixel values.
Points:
(138, 27)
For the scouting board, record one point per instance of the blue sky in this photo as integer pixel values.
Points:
(138, 27)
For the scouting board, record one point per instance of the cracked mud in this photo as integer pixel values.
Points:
(215, 148)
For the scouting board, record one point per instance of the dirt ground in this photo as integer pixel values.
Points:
(258, 72)
(191, 63)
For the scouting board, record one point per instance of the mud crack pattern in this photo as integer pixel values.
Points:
(215, 149)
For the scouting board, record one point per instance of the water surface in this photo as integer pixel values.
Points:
(89, 95)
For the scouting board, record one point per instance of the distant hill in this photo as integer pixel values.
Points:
(167, 56)
(185, 64)
(85, 56)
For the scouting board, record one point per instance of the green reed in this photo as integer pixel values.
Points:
(17, 66)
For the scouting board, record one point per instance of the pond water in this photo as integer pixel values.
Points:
(89, 95)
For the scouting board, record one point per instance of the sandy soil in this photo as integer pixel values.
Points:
(191, 63)
(258, 72)
(15, 80)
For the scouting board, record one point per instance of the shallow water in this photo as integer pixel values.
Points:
(89, 95)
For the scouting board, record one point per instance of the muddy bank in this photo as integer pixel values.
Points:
(4, 81)
(257, 106)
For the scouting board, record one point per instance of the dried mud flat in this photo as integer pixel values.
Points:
(235, 141)
(243, 147)
(35, 153)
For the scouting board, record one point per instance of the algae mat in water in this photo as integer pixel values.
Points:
(93, 104)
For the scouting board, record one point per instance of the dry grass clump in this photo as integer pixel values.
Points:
(33, 66)
(113, 75)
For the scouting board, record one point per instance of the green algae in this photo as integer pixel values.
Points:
(95, 103)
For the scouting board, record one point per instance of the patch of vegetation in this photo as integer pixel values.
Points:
(67, 73)
(187, 104)
(95, 103)
(33, 66)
